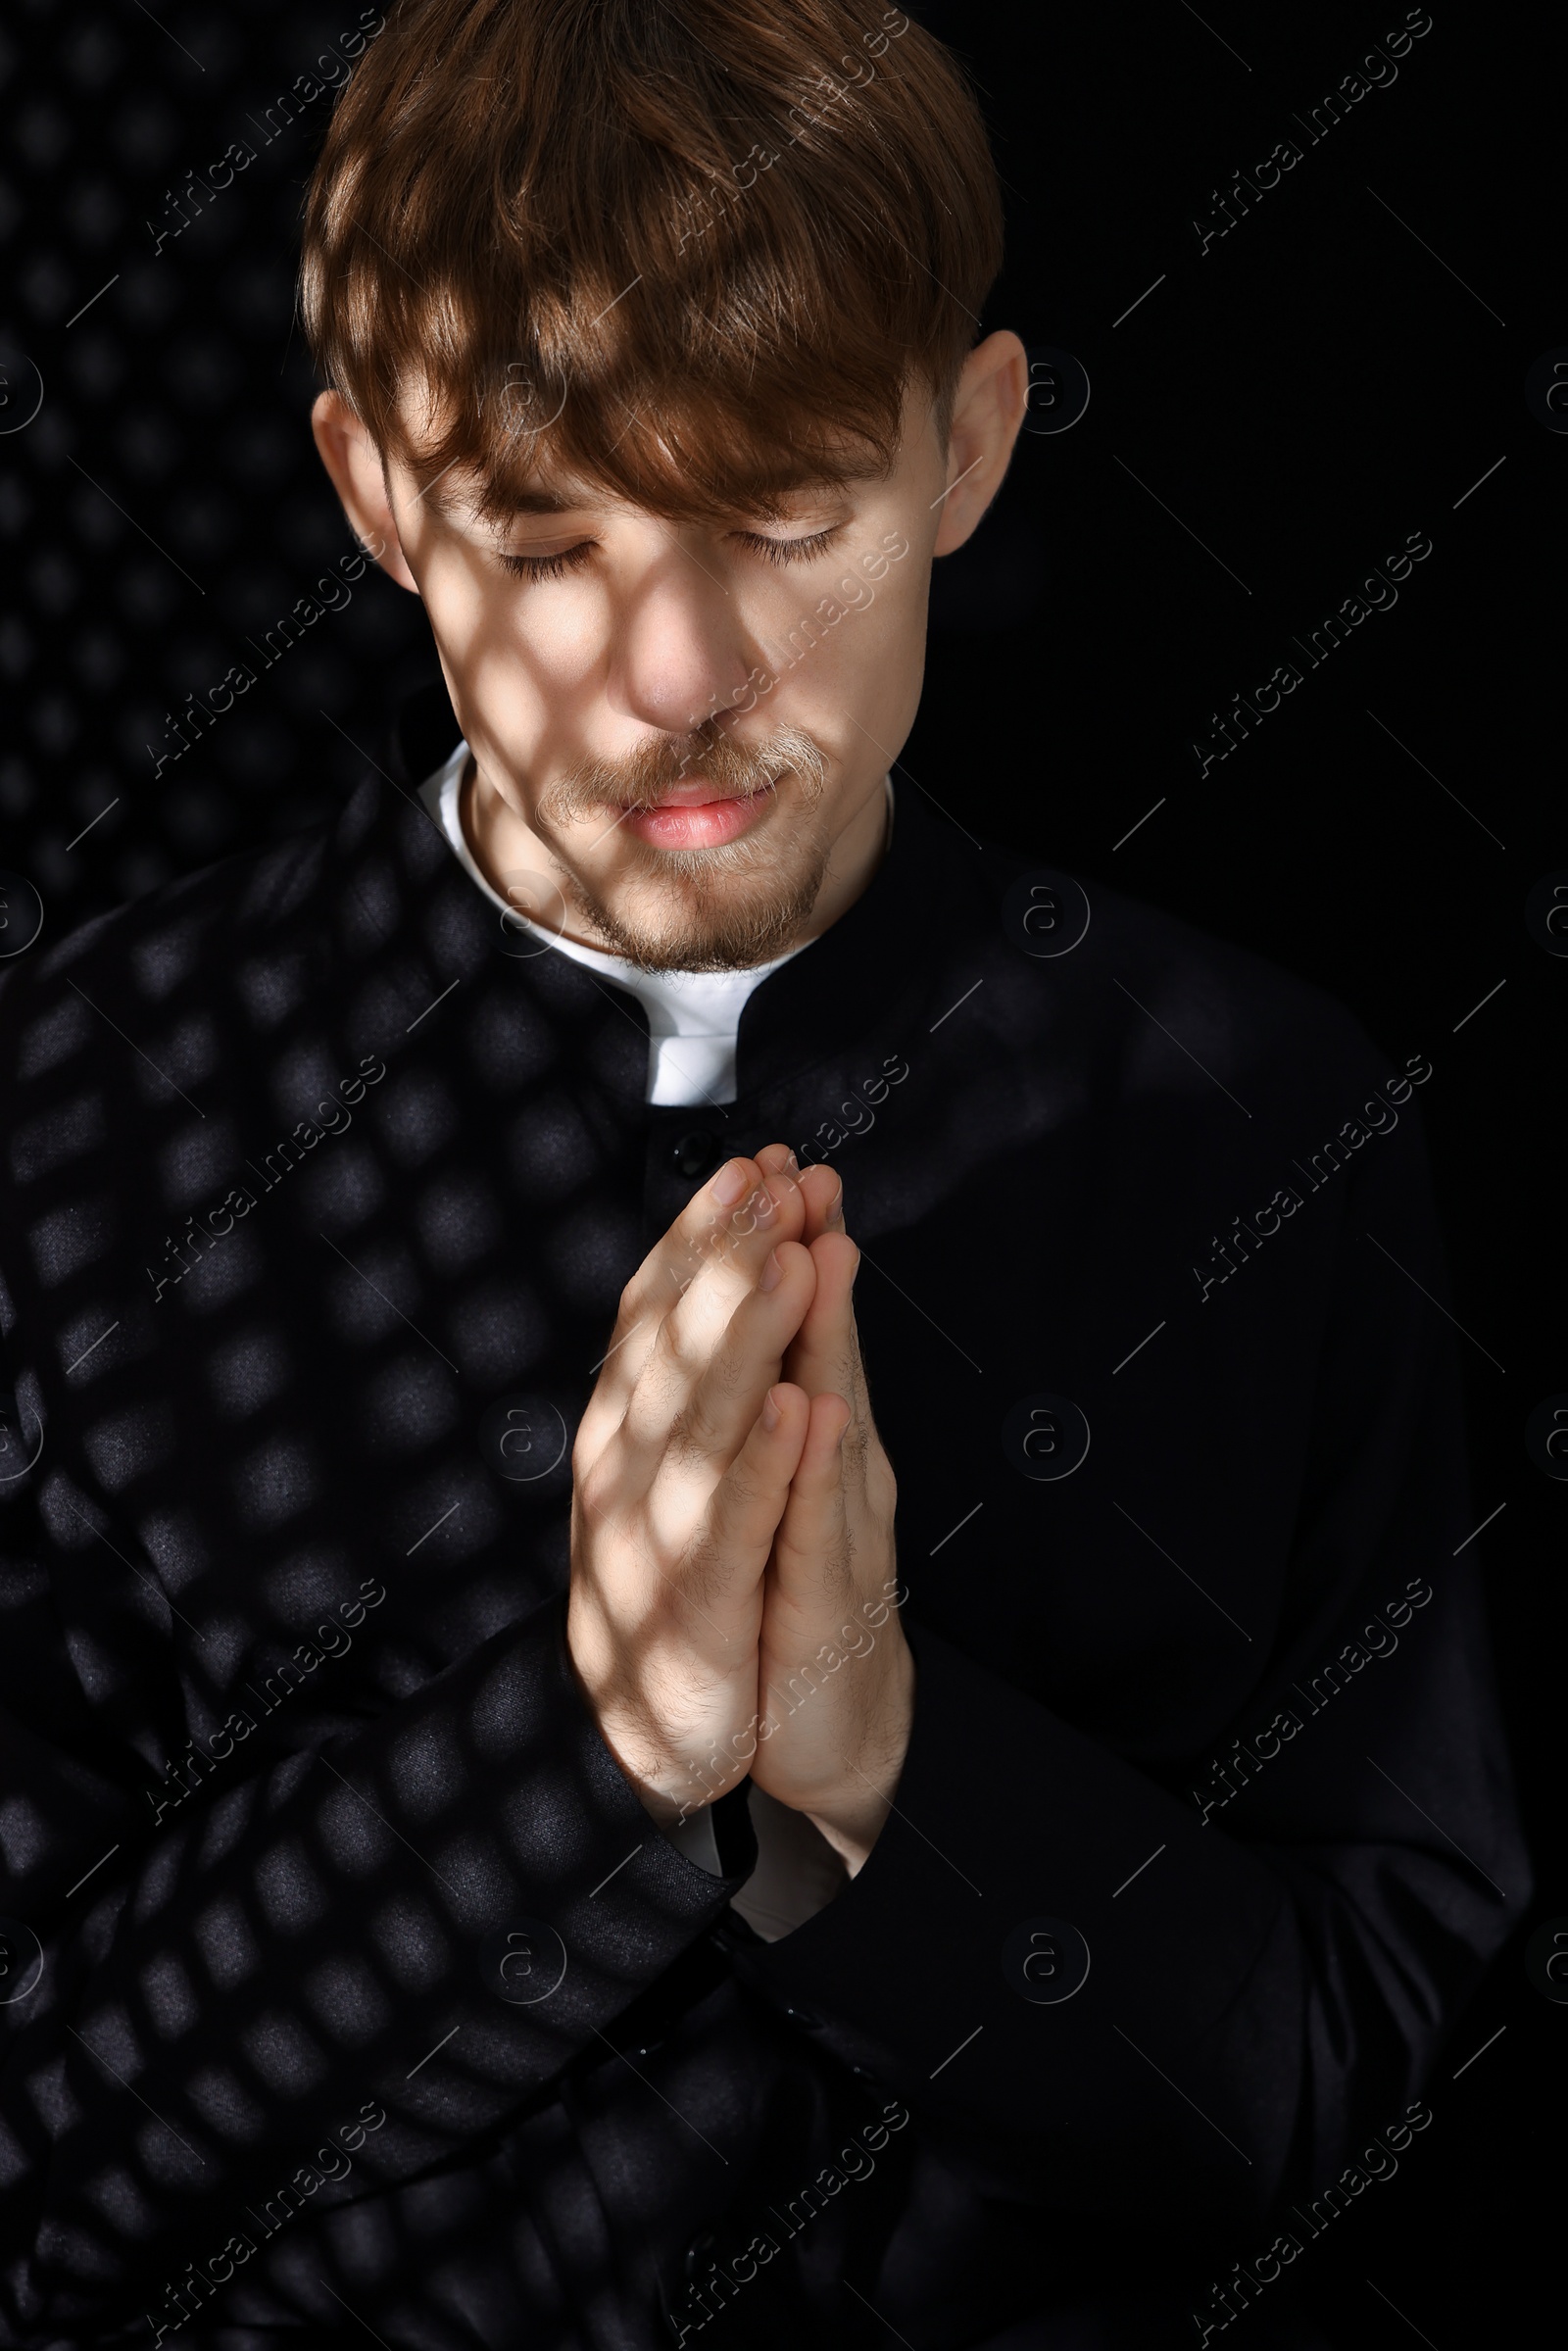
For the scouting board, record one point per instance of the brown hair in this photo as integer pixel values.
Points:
(690, 250)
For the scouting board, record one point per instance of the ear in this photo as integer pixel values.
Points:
(354, 464)
(988, 412)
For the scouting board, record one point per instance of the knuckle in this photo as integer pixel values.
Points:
(702, 1567)
(684, 1256)
(682, 1357)
(590, 1444)
(693, 1437)
(742, 1493)
(726, 1375)
(587, 1515)
(594, 1482)
(838, 1564)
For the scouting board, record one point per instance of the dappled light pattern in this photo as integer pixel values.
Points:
(303, 1177)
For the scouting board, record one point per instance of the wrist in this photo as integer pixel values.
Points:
(670, 1785)
(852, 1814)
(851, 1829)
(672, 1791)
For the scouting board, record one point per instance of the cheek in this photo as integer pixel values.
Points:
(868, 662)
(887, 660)
(524, 662)
(518, 722)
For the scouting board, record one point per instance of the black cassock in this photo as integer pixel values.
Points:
(349, 1984)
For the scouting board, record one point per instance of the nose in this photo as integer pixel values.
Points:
(676, 657)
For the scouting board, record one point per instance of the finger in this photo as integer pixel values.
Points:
(818, 1477)
(675, 1444)
(826, 1351)
(714, 1576)
(820, 1191)
(657, 1283)
(813, 1551)
(723, 1254)
(740, 1210)
(664, 1362)
(825, 1358)
(746, 1504)
(822, 1198)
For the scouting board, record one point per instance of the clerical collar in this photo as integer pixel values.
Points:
(693, 1016)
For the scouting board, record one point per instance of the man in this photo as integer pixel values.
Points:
(734, 1557)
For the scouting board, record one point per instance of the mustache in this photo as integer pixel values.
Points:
(589, 786)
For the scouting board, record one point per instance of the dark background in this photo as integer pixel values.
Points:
(1272, 419)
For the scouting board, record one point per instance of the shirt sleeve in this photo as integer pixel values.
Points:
(1277, 1936)
(798, 1871)
(694, 1837)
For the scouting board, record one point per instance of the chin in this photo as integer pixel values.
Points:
(707, 911)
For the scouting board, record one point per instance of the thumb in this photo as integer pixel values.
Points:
(811, 1548)
(824, 1353)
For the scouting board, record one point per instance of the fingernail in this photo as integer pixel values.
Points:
(771, 1412)
(835, 1214)
(773, 1272)
(729, 1183)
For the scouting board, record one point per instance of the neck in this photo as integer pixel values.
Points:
(503, 842)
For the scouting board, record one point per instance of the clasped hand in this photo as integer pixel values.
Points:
(732, 1518)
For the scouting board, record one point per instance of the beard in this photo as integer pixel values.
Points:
(724, 908)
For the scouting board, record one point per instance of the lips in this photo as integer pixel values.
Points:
(696, 816)
(692, 796)
(701, 793)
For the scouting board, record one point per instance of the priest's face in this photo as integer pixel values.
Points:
(679, 734)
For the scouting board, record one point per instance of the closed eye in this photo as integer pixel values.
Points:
(788, 551)
(772, 551)
(548, 567)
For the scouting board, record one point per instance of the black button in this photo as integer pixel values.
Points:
(696, 1154)
(699, 2252)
